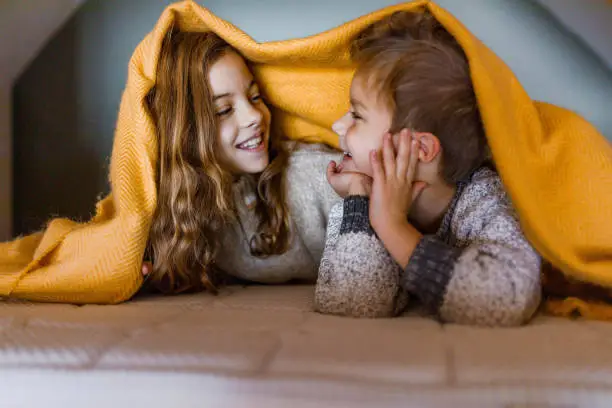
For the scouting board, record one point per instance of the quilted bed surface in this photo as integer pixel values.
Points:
(258, 345)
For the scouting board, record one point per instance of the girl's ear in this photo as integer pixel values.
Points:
(429, 146)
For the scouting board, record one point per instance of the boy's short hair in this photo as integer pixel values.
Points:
(422, 74)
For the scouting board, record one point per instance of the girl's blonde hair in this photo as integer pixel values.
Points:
(194, 198)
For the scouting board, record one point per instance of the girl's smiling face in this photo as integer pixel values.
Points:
(244, 119)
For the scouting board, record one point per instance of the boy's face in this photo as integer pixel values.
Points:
(361, 129)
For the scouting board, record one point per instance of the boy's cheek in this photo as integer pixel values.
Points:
(362, 165)
(421, 172)
(342, 142)
(348, 165)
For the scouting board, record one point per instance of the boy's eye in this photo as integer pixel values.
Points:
(355, 116)
(224, 111)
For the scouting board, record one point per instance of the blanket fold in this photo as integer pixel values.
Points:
(556, 167)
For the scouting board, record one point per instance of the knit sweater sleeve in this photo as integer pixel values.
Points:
(309, 195)
(490, 278)
(357, 276)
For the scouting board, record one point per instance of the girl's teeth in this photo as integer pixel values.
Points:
(251, 143)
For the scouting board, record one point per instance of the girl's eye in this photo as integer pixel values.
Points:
(355, 116)
(224, 112)
(256, 97)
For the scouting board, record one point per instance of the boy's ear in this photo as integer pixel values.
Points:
(429, 146)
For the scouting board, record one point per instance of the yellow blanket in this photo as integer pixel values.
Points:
(556, 166)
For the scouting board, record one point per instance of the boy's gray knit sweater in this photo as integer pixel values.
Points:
(477, 269)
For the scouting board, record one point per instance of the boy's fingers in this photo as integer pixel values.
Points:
(377, 169)
(417, 189)
(388, 156)
(414, 159)
(403, 153)
(367, 183)
(331, 170)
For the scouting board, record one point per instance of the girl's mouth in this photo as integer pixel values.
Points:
(254, 144)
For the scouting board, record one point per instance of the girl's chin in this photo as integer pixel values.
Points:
(253, 166)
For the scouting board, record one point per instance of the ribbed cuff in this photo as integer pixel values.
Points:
(356, 215)
(429, 270)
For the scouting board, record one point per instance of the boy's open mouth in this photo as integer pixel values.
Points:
(347, 156)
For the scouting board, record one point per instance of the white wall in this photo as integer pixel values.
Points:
(590, 20)
(6, 173)
(25, 26)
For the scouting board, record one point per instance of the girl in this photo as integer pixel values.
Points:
(232, 199)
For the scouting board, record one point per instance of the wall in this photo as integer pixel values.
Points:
(17, 48)
(551, 63)
(66, 101)
(590, 21)
(6, 161)
(65, 108)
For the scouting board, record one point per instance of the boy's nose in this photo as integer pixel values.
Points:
(341, 125)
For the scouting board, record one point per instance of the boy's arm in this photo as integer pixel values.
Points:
(357, 276)
(493, 281)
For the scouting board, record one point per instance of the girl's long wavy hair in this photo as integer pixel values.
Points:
(194, 196)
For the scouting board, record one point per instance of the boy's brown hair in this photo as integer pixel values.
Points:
(423, 76)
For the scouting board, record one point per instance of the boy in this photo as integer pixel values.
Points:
(437, 224)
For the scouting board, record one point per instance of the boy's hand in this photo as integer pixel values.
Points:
(394, 187)
(346, 182)
(393, 191)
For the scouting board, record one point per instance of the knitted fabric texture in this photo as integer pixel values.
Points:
(477, 269)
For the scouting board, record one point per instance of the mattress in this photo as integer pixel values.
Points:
(263, 346)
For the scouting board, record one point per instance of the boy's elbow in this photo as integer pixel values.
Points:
(327, 301)
(337, 304)
(355, 303)
(527, 306)
(517, 313)
(332, 296)
(515, 309)
(523, 303)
